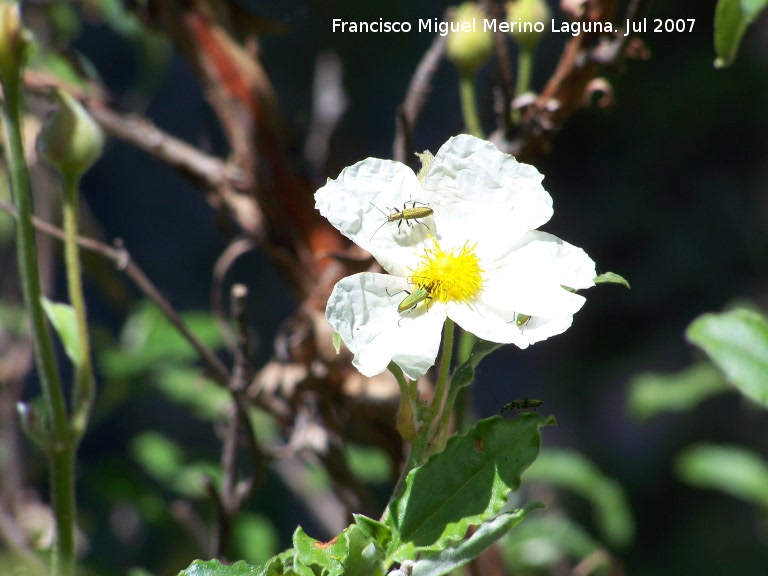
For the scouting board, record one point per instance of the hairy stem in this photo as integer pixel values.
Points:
(60, 447)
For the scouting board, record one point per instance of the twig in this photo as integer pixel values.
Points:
(144, 135)
(415, 97)
(122, 259)
(234, 493)
(582, 58)
(329, 102)
(504, 68)
(224, 262)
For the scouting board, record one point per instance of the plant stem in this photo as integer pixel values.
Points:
(445, 368)
(469, 104)
(60, 449)
(442, 405)
(84, 390)
(524, 70)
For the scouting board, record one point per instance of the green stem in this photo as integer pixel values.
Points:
(60, 449)
(445, 368)
(466, 343)
(441, 407)
(469, 104)
(84, 390)
(524, 71)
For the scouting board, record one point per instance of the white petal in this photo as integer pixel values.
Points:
(359, 201)
(362, 311)
(489, 325)
(529, 279)
(472, 186)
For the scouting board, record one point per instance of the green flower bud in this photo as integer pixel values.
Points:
(469, 45)
(71, 140)
(522, 15)
(14, 41)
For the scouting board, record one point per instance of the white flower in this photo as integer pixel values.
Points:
(476, 259)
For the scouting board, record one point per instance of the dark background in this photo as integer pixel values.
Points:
(668, 189)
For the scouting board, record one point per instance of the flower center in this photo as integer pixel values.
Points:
(449, 276)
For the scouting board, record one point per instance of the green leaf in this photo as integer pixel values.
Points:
(148, 339)
(464, 485)
(62, 318)
(374, 530)
(329, 557)
(489, 532)
(13, 321)
(571, 470)
(185, 385)
(731, 20)
(737, 342)
(368, 463)
(611, 278)
(365, 557)
(255, 537)
(466, 372)
(548, 540)
(158, 455)
(216, 568)
(651, 394)
(336, 341)
(731, 469)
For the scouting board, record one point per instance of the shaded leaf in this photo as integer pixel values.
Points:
(255, 537)
(651, 394)
(545, 540)
(466, 372)
(148, 339)
(730, 469)
(737, 342)
(572, 471)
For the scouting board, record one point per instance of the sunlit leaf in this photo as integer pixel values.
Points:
(611, 278)
(732, 17)
(737, 342)
(62, 318)
(465, 485)
(481, 539)
(216, 568)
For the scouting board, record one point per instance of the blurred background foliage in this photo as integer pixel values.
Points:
(669, 188)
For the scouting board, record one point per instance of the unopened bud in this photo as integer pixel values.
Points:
(526, 19)
(469, 44)
(71, 140)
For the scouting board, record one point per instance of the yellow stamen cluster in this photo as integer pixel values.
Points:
(449, 276)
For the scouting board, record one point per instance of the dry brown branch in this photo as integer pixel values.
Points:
(417, 94)
(583, 57)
